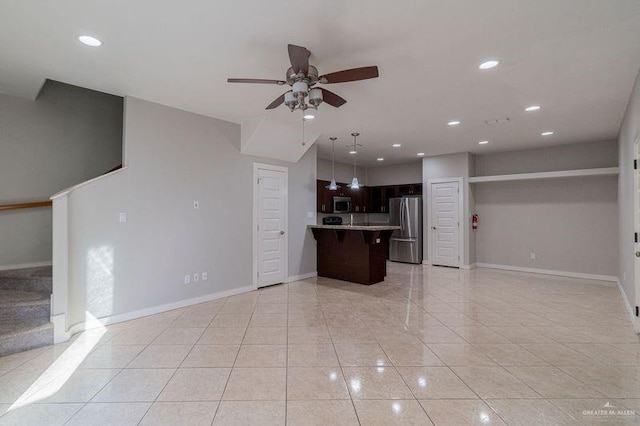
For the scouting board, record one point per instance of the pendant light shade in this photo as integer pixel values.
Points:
(354, 183)
(333, 186)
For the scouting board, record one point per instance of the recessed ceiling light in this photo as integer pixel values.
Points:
(483, 142)
(489, 64)
(380, 159)
(532, 108)
(308, 116)
(89, 41)
(396, 145)
(353, 152)
(421, 154)
(546, 133)
(453, 123)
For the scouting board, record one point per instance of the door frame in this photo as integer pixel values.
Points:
(256, 255)
(461, 218)
(636, 228)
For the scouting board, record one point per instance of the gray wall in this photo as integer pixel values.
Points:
(173, 158)
(571, 224)
(449, 166)
(396, 174)
(547, 159)
(68, 135)
(344, 172)
(629, 133)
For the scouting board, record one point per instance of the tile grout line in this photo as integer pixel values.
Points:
(179, 365)
(234, 360)
(353, 404)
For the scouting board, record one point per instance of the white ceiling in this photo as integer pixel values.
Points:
(576, 58)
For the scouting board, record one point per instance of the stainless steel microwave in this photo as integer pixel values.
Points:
(342, 204)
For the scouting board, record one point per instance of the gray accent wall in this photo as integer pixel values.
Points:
(629, 134)
(64, 137)
(571, 224)
(174, 157)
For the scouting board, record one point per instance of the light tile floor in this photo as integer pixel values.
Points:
(429, 345)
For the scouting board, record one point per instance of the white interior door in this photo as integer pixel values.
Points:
(271, 225)
(445, 224)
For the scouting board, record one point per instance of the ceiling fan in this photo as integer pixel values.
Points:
(302, 77)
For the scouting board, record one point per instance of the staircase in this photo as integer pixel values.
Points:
(25, 309)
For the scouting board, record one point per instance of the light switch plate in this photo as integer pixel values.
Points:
(187, 279)
(196, 277)
(205, 276)
(196, 205)
(310, 215)
(122, 217)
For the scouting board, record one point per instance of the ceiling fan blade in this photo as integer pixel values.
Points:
(275, 104)
(255, 80)
(353, 74)
(331, 98)
(299, 57)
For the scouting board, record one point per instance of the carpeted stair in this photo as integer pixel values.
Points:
(25, 309)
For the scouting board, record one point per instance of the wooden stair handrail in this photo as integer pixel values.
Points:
(32, 205)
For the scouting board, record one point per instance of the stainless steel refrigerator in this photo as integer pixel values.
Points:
(405, 244)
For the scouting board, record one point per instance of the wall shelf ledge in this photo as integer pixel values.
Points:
(603, 171)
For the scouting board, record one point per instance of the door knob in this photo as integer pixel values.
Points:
(638, 254)
(281, 232)
(433, 227)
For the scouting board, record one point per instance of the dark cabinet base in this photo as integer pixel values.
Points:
(352, 255)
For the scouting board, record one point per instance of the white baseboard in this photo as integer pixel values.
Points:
(426, 262)
(609, 278)
(301, 277)
(24, 265)
(61, 332)
(59, 325)
(632, 315)
(468, 267)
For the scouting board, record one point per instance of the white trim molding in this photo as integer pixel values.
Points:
(604, 171)
(24, 265)
(93, 323)
(609, 278)
(469, 267)
(285, 170)
(462, 229)
(628, 305)
(60, 333)
(293, 278)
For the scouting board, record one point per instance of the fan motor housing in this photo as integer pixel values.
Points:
(311, 78)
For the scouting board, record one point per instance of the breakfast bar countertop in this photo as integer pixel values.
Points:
(357, 227)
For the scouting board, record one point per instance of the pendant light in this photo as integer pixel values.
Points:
(333, 186)
(354, 182)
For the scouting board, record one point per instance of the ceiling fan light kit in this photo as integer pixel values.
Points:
(302, 76)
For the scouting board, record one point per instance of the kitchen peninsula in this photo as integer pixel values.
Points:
(353, 253)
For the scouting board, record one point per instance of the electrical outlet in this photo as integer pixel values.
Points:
(309, 215)
(122, 217)
(533, 254)
(196, 277)
(205, 276)
(187, 279)
(196, 205)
